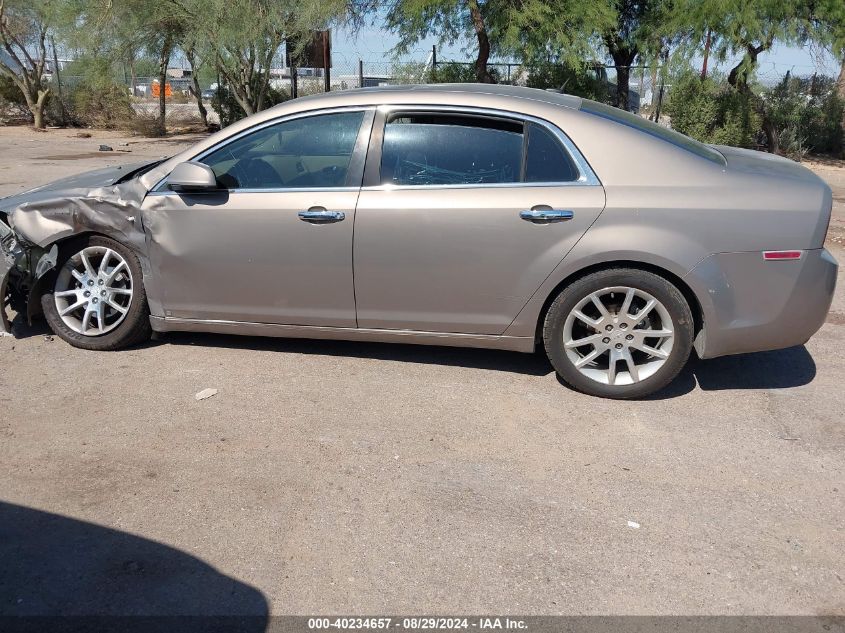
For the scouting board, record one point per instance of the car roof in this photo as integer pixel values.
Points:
(424, 92)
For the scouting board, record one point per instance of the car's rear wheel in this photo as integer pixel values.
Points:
(619, 333)
(97, 300)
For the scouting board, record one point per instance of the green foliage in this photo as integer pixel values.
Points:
(712, 112)
(10, 94)
(227, 107)
(96, 103)
(12, 103)
(543, 29)
(575, 80)
(404, 73)
(806, 114)
(455, 73)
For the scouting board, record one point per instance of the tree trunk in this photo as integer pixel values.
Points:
(38, 109)
(738, 77)
(62, 112)
(707, 44)
(840, 86)
(482, 74)
(623, 80)
(163, 62)
(191, 57)
(772, 136)
(35, 101)
(622, 60)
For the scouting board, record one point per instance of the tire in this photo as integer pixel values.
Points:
(119, 330)
(608, 333)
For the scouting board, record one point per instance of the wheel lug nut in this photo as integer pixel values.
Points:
(101, 282)
(102, 293)
(86, 294)
(94, 300)
(608, 327)
(90, 282)
(619, 346)
(605, 340)
(624, 326)
(630, 337)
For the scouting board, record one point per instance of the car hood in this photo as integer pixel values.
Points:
(103, 201)
(79, 184)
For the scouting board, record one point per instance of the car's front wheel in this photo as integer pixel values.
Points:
(619, 333)
(97, 300)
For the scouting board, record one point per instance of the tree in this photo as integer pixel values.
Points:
(243, 50)
(744, 28)
(623, 42)
(191, 56)
(24, 27)
(556, 34)
(747, 28)
(120, 30)
(829, 19)
(451, 21)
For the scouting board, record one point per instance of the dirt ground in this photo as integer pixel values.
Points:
(329, 477)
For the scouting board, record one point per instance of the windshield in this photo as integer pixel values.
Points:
(644, 125)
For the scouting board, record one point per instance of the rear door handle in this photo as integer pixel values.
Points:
(321, 215)
(542, 213)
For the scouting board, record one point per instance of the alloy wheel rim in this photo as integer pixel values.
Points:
(618, 335)
(94, 291)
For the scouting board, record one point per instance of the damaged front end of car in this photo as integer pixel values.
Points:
(34, 225)
(22, 266)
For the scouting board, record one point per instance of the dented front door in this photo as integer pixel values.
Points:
(249, 257)
(274, 244)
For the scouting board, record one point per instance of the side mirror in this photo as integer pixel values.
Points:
(192, 176)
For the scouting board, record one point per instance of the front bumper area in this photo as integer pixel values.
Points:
(754, 305)
(5, 270)
(22, 265)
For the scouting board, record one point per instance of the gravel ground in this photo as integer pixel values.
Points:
(328, 477)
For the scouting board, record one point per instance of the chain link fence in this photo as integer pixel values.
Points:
(142, 93)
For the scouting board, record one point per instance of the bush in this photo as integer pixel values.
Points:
(579, 81)
(12, 102)
(104, 105)
(229, 110)
(806, 114)
(455, 73)
(712, 112)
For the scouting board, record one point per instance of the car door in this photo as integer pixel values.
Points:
(274, 244)
(462, 216)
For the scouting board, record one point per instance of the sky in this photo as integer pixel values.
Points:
(374, 45)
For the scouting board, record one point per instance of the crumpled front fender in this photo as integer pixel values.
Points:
(43, 217)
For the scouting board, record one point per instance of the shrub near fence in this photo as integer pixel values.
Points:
(805, 114)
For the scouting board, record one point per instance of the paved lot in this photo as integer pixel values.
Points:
(341, 477)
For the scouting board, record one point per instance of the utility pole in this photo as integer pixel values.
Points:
(360, 73)
(434, 57)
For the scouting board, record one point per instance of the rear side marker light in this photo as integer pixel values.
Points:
(782, 255)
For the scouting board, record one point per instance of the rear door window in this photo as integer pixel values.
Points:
(422, 149)
(447, 149)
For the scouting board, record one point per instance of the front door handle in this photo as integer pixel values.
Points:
(542, 213)
(321, 215)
